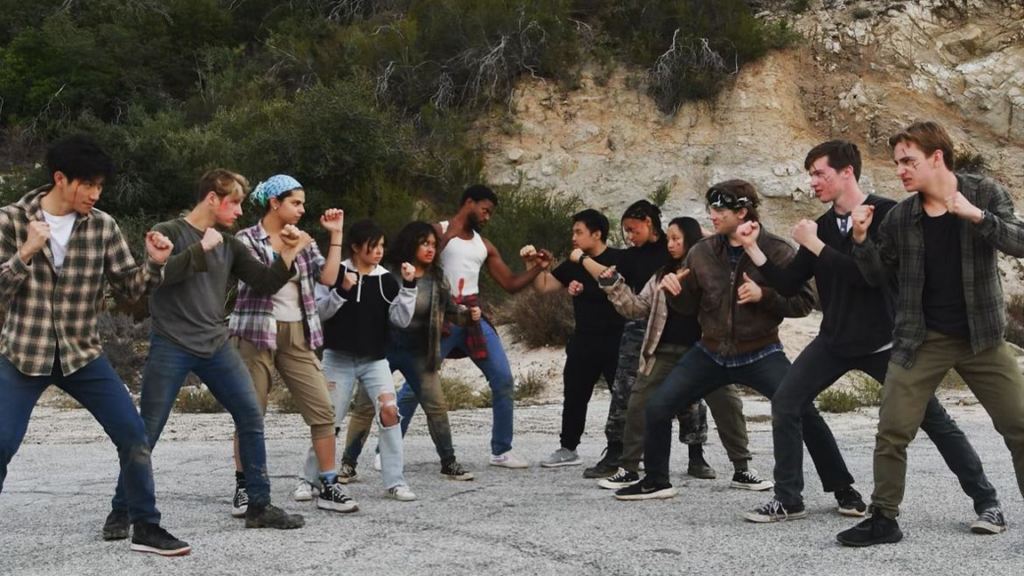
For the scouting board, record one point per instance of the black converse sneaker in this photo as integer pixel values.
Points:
(621, 479)
(876, 529)
(454, 471)
(347, 473)
(334, 496)
(749, 480)
(152, 538)
(775, 511)
(646, 490)
(850, 502)
(240, 503)
(116, 526)
(990, 521)
(270, 516)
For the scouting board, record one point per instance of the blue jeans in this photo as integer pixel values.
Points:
(342, 370)
(228, 379)
(696, 375)
(499, 376)
(99, 389)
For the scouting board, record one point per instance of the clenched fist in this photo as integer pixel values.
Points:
(673, 283)
(575, 288)
(861, 217)
(333, 220)
(211, 239)
(38, 236)
(349, 280)
(748, 233)
(158, 247)
(408, 272)
(806, 233)
(960, 206)
(475, 313)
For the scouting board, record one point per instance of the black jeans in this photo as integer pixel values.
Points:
(695, 376)
(817, 368)
(587, 358)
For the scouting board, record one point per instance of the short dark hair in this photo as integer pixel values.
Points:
(738, 189)
(594, 221)
(840, 154)
(478, 193)
(79, 157)
(363, 232)
(929, 136)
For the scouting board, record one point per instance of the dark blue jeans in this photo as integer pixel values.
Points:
(817, 368)
(99, 389)
(499, 376)
(228, 379)
(696, 375)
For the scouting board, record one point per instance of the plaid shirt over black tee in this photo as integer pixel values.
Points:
(900, 250)
(46, 308)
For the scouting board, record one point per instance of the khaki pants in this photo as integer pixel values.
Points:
(725, 405)
(302, 374)
(993, 377)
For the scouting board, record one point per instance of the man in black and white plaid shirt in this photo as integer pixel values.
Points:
(941, 244)
(56, 253)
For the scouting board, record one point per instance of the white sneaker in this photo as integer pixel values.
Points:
(304, 491)
(401, 493)
(509, 460)
(376, 462)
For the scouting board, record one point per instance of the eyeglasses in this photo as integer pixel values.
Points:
(721, 199)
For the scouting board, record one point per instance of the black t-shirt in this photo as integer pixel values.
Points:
(639, 263)
(945, 307)
(594, 313)
(680, 329)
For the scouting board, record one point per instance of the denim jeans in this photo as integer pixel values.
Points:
(499, 376)
(342, 370)
(99, 389)
(817, 368)
(226, 376)
(696, 375)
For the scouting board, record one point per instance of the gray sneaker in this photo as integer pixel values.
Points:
(562, 457)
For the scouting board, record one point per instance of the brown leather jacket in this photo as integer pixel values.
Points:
(711, 289)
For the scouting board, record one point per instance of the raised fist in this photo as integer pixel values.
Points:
(408, 272)
(158, 247)
(211, 239)
(861, 217)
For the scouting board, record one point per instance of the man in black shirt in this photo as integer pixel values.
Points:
(856, 334)
(592, 351)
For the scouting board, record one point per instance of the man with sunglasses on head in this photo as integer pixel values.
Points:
(856, 334)
(941, 244)
(740, 341)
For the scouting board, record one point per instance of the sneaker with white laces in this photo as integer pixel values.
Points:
(376, 462)
(749, 480)
(621, 479)
(849, 502)
(347, 473)
(240, 503)
(334, 497)
(509, 460)
(304, 491)
(775, 511)
(454, 471)
(990, 521)
(401, 493)
(561, 457)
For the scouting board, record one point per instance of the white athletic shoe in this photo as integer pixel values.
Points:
(509, 460)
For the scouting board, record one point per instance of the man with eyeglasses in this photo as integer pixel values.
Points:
(740, 342)
(856, 334)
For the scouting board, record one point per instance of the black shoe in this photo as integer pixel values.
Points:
(454, 471)
(701, 469)
(334, 496)
(621, 479)
(646, 490)
(606, 466)
(116, 525)
(876, 529)
(990, 521)
(850, 502)
(270, 516)
(749, 480)
(775, 511)
(240, 503)
(152, 538)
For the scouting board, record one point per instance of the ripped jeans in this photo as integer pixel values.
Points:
(342, 369)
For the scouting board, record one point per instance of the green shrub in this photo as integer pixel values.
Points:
(660, 195)
(459, 394)
(538, 319)
(838, 400)
(126, 344)
(197, 400)
(970, 162)
(281, 397)
(529, 386)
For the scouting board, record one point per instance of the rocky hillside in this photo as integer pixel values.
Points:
(861, 71)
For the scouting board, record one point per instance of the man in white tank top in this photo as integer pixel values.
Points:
(464, 253)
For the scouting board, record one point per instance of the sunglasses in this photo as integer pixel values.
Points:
(721, 199)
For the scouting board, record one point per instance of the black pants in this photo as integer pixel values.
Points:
(695, 376)
(587, 358)
(817, 368)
